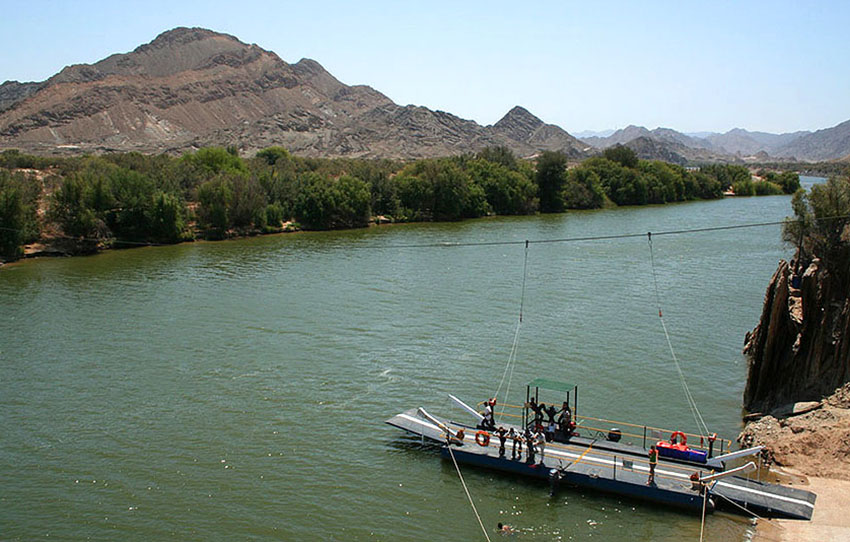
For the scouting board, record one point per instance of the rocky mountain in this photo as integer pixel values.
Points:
(746, 143)
(520, 125)
(829, 144)
(619, 137)
(192, 87)
(663, 144)
(737, 144)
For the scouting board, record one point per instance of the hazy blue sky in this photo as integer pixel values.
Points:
(773, 66)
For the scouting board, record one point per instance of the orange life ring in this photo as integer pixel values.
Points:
(482, 438)
(679, 433)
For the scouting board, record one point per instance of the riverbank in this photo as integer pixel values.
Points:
(814, 447)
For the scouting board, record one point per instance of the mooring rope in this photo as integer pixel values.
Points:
(702, 520)
(468, 496)
(509, 367)
(750, 512)
(700, 422)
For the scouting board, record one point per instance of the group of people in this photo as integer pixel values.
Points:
(556, 420)
(534, 441)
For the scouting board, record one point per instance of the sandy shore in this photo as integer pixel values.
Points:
(830, 522)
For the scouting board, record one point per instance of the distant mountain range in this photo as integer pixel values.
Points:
(823, 145)
(192, 87)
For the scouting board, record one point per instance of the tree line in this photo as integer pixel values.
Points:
(212, 193)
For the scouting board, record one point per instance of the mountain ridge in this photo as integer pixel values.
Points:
(193, 87)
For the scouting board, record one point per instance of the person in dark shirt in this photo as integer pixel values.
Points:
(501, 432)
(551, 412)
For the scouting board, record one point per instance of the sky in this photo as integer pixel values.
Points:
(774, 66)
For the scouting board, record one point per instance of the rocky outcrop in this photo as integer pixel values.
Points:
(800, 349)
(815, 442)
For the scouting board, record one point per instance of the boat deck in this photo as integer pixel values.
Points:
(617, 468)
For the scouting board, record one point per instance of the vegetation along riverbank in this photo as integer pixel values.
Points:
(79, 205)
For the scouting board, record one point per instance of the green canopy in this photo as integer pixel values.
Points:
(553, 385)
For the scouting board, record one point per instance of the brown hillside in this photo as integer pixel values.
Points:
(193, 87)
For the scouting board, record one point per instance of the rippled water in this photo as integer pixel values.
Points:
(238, 389)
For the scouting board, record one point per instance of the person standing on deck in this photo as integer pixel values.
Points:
(488, 422)
(565, 420)
(529, 447)
(550, 413)
(517, 443)
(653, 460)
(541, 444)
(501, 433)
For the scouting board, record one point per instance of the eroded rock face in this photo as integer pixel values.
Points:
(800, 350)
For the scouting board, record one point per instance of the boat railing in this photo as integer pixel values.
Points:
(646, 435)
(609, 460)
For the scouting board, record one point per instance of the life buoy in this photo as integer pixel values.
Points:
(482, 438)
(680, 434)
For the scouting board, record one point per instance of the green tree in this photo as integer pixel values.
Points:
(18, 220)
(789, 181)
(583, 189)
(822, 226)
(508, 192)
(500, 155)
(550, 181)
(214, 199)
(324, 203)
(168, 218)
(69, 209)
(621, 154)
(273, 155)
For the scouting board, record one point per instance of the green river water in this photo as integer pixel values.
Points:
(238, 390)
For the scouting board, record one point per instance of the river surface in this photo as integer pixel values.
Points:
(238, 389)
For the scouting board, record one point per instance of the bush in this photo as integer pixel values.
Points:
(767, 188)
(744, 188)
(583, 189)
(325, 203)
(507, 191)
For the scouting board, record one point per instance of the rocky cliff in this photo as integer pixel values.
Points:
(800, 349)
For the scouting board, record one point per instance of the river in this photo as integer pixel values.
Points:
(238, 389)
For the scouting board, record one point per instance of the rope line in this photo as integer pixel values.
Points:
(702, 520)
(700, 422)
(509, 367)
(750, 512)
(465, 490)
